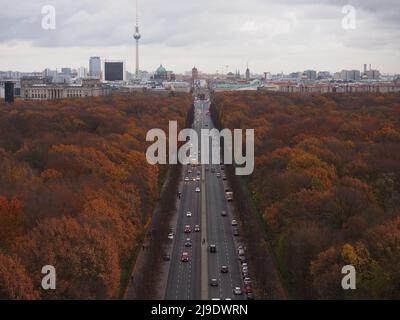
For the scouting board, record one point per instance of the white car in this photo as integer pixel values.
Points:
(198, 178)
(237, 291)
(234, 223)
(187, 179)
(197, 189)
(188, 214)
(171, 236)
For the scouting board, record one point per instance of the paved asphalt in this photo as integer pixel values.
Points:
(186, 279)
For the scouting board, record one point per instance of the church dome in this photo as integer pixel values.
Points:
(161, 70)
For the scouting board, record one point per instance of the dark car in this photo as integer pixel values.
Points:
(188, 243)
(213, 248)
(250, 296)
(236, 232)
(166, 257)
(213, 282)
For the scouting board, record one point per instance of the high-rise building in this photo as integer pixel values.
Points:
(82, 72)
(66, 71)
(52, 74)
(95, 67)
(350, 75)
(195, 75)
(247, 74)
(373, 74)
(310, 75)
(324, 75)
(137, 37)
(114, 71)
(9, 91)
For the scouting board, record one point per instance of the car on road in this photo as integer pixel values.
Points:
(166, 257)
(246, 274)
(234, 223)
(198, 178)
(194, 179)
(241, 252)
(188, 242)
(188, 229)
(242, 259)
(186, 179)
(248, 289)
(235, 232)
(218, 175)
(171, 236)
(247, 281)
(237, 291)
(245, 269)
(196, 228)
(213, 282)
(224, 177)
(213, 248)
(188, 214)
(189, 171)
(223, 213)
(250, 296)
(224, 269)
(197, 189)
(185, 257)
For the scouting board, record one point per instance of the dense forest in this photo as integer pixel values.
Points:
(327, 186)
(76, 190)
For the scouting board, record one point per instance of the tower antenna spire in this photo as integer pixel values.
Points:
(137, 37)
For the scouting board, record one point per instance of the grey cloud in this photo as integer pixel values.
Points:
(207, 29)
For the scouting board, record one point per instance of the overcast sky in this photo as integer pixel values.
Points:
(275, 36)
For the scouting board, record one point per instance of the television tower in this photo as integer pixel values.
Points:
(137, 37)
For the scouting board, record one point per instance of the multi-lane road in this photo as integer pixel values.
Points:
(192, 280)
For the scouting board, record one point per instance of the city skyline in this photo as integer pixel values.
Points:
(286, 37)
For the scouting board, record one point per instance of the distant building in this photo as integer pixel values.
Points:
(36, 88)
(296, 75)
(52, 74)
(195, 75)
(114, 71)
(247, 74)
(95, 67)
(66, 71)
(161, 75)
(9, 91)
(310, 75)
(82, 73)
(323, 75)
(350, 75)
(373, 74)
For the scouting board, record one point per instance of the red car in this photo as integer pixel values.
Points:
(248, 289)
(185, 257)
(188, 229)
